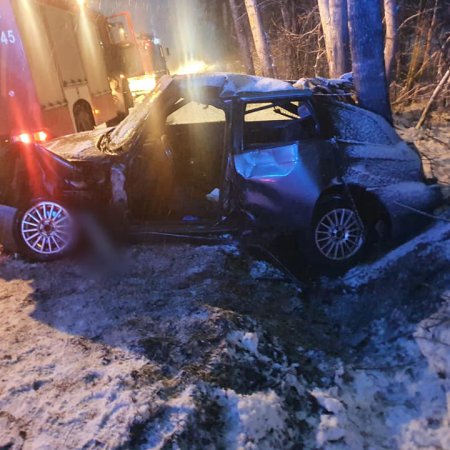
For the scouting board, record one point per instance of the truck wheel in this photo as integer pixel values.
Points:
(84, 119)
(46, 231)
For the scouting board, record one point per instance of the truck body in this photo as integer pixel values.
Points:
(54, 79)
(61, 70)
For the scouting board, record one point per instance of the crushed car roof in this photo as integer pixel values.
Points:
(232, 84)
(225, 85)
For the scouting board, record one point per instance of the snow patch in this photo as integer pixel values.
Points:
(245, 340)
(363, 274)
(256, 421)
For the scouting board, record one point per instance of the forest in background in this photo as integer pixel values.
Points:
(308, 38)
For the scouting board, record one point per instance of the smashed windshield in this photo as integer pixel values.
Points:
(129, 127)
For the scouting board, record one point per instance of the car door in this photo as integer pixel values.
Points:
(282, 163)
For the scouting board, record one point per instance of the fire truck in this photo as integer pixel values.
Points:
(65, 68)
(137, 58)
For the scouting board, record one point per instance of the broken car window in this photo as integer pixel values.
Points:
(194, 112)
(265, 112)
(277, 122)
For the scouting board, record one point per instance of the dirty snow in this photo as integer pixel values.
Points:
(434, 146)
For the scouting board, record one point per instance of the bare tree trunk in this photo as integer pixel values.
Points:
(416, 49)
(260, 38)
(244, 45)
(333, 16)
(287, 59)
(366, 38)
(341, 38)
(427, 51)
(325, 19)
(390, 44)
(286, 15)
(432, 98)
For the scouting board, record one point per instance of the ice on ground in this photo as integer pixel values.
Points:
(187, 349)
(392, 389)
(197, 347)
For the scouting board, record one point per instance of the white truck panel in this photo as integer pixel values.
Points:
(92, 55)
(60, 26)
(38, 49)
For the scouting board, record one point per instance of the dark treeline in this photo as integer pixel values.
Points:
(306, 38)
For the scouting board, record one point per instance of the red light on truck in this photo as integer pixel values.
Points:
(24, 138)
(29, 138)
(40, 136)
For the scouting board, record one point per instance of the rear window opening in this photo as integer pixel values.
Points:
(277, 122)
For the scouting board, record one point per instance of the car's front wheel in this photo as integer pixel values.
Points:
(46, 230)
(338, 236)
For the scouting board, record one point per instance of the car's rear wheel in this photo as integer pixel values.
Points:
(46, 231)
(338, 236)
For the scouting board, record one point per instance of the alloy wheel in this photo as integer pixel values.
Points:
(47, 228)
(339, 234)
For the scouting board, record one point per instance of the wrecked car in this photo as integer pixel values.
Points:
(221, 154)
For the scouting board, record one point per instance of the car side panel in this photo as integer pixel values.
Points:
(374, 165)
(279, 184)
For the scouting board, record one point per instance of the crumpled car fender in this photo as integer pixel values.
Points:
(8, 216)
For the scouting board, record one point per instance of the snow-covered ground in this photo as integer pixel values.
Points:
(392, 389)
(200, 348)
(142, 358)
(434, 146)
(205, 347)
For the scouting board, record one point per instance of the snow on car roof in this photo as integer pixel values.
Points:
(231, 84)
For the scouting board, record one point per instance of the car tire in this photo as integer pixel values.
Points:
(46, 230)
(338, 237)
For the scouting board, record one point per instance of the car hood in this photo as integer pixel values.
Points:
(78, 147)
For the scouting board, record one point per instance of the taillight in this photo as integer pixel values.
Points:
(29, 138)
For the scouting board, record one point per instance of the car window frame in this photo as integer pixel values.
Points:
(186, 101)
(240, 110)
